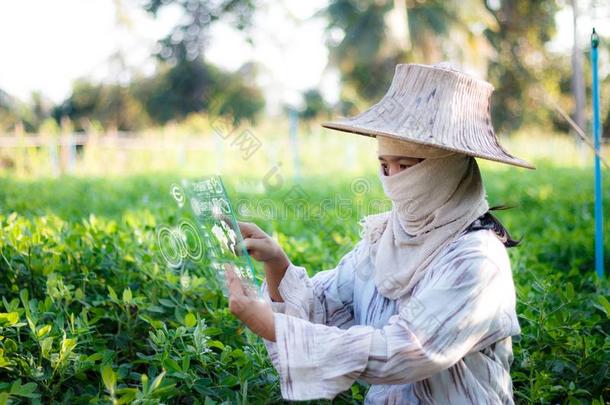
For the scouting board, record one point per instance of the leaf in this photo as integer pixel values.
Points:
(155, 384)
(126, 395)
(27, 390)
(23, 294)
(31, 322)
(15, 387)
(43, 331)
(569, 291)
(125, 399)
(127, 296)
(3, 361)
(79, 294)
(109, 377)
(186, 362)
(10, 346)
(112, 294)
(8, 319)
(95, 356)
(4, 398)
(238, 354)
(605, 304)
(46, 345)
(166, 303)
(144, 379)
(230, 381)
(209, 401)
(67, 345)
(190, 320)
(168, 389)
(155, 323)
(216, 343)
(212, 331)
(155, 308)
(171, 365)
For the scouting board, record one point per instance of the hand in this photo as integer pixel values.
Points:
(246, 306)
(262, 247)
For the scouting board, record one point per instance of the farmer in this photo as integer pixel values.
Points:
(423, 307)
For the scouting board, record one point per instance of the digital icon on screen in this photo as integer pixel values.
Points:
(205, 234)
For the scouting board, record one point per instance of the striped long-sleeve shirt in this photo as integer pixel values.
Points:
(450, 342)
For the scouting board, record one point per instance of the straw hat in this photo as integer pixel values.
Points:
(437, 106)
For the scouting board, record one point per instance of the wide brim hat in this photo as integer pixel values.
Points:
(437, 106)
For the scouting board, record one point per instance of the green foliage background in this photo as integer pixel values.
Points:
(89, 314)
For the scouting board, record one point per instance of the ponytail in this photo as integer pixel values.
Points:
(488, 221)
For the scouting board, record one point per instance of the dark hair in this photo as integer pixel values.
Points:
(488, 221)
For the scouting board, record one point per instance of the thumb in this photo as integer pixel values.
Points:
(234, 282)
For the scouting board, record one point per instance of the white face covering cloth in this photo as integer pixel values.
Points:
(432, 203)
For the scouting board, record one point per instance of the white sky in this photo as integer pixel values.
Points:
(48, 44)
(587, 19)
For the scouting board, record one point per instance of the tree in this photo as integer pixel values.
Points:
(186, 41)
(314, 105)
(194, 86)
(113, 105)
(578, 85)
(503, 40)
(356, 34)
(367, 39)
(187, 82)
(522, 61)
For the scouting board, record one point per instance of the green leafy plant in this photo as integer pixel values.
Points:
(89, 314)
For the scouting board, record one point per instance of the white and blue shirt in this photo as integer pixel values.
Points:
(449, 342)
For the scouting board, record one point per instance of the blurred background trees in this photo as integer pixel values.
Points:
(505, 41)
(172, 94)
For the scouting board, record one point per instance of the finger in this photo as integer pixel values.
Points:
(232, 277)
(229, 283)
(229, 268)
(227, 220)
(238, 298)
(251, 245)
(249, 291)
(241, 247)
(235, 283)
(224, 217)
(247, 229)
(239, 284)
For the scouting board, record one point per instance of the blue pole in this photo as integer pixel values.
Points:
(599, 220)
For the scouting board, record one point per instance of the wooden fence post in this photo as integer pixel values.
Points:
(20, 153)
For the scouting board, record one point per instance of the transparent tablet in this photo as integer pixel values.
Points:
(204, 234)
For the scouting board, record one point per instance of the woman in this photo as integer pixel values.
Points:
(423, 307)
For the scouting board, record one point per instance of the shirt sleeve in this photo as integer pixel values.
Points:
(326, 298)
(443, 321)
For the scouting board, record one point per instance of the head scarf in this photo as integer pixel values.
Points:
(432, 203)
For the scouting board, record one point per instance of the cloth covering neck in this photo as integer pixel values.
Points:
(432, 203)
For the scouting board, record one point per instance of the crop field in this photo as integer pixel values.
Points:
(90, 314)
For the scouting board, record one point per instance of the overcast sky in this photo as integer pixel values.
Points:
(48, 44)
